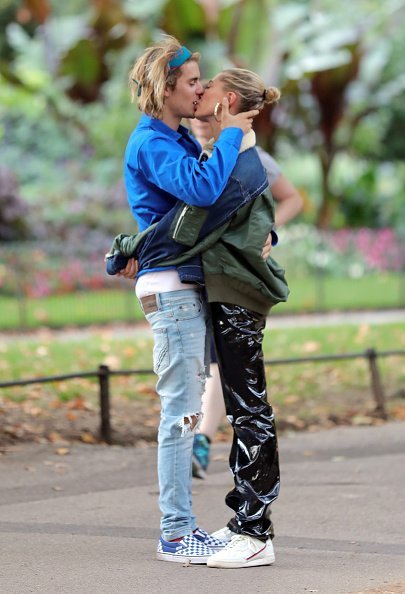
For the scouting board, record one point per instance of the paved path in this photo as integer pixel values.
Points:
(274, 321)
(86, 521)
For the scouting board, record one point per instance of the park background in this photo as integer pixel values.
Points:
(338, 133)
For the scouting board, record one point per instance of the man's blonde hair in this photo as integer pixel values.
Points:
(151, 75)
(249, 87)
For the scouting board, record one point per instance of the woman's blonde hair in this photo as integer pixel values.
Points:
(249, 87)
(150, 75)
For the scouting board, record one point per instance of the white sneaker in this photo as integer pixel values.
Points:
(224, 534)
(243, 551)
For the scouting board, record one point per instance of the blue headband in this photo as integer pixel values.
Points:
(179, 57)
(139, 86)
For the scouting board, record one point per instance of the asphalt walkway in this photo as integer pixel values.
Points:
(84, 519)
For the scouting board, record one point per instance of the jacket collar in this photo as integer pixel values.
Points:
(159, 126)
(248, 141)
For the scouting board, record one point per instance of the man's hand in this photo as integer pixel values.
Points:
(241, 120)
(131, 269)
(267, 247)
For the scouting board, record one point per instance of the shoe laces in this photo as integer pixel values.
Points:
(237, 541)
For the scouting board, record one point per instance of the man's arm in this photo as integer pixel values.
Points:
(168, 166)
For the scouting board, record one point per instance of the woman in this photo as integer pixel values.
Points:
(238, 334)
(241, 288)
(289, 204)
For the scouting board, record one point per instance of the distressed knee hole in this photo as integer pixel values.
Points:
(190, 423)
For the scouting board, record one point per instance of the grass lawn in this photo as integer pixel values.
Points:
(333, 293)
(303, 394)
(99, 307)
(77, 309)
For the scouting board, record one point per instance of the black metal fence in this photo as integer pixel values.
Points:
(104, 373)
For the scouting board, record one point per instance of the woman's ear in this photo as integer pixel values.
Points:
(232, 97)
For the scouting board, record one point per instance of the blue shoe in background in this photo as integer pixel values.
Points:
(201, 455)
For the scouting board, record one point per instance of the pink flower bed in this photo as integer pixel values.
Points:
(380, 248)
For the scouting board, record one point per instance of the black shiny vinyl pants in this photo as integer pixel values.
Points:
(238, 335)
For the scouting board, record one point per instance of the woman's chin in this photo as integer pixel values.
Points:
(200, 115)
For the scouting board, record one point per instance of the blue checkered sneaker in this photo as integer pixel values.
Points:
(187, 550)
(210, 541)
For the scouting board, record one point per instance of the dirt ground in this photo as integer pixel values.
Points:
(134, 423)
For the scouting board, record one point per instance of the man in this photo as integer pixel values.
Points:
(161, 167)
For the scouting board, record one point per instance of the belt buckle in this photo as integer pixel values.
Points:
(149, 304)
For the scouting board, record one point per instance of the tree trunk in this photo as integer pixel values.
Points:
(328, 204)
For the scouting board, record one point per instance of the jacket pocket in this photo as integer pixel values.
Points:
(187, 224)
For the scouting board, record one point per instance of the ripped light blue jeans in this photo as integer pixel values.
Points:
(180, 355)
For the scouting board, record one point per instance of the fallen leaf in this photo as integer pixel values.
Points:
(145, 389)
(54, 437)
(42, 351)
(62, 451)
(128, 351)
(112, 361)
(88, 437)
(60, 468)
(362, 333)
(54, 404)
(150, 422)
(398, 412)
(291, 399)
(311, 346)
(359, 420)
(77, 404)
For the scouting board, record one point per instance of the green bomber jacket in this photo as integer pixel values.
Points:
(234, 269)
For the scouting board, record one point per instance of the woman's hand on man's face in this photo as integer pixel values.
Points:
(243, 120)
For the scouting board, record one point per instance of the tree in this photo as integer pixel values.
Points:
(334, 75)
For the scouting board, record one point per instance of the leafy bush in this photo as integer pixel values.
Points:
(13, 210)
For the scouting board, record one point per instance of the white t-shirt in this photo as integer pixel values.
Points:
(161, 281)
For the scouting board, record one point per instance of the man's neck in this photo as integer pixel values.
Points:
(170, 120)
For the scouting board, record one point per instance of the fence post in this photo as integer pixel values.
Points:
(376, 384)
(104, 383)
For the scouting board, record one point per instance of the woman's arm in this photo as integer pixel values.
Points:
(289, 200)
